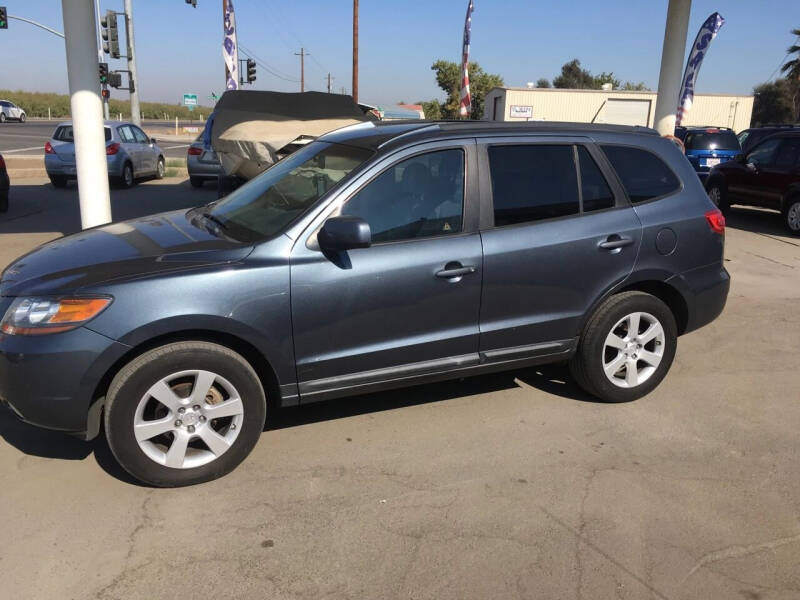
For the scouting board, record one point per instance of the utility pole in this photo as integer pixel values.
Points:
(302, 54)
(330, 81)
(133, 79)
(100, 56)
(355, 50)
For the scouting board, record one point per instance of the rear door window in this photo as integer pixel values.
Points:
(643, 174)
(533, 182)
(595, 192)
(126, 135)
(788, 153)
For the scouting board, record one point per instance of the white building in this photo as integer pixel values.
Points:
(612, 106)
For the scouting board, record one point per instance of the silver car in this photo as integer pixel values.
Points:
(11, 112)
(130, 152)
(203, 165)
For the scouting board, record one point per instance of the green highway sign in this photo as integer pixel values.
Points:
(190, 100)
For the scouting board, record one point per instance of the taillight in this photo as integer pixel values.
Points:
(112, 149)
(48, 149)
(2, 163)
(716, 221)
(195, 151)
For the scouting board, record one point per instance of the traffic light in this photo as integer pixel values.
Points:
(105, 93)
(3, 17)
(104, 73)
(110, 34)
(251, 70)
(115, 79)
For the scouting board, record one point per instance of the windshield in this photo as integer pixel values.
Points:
(712, 140)
(265, 205)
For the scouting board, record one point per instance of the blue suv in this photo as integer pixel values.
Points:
(378, 256)
(706, 147)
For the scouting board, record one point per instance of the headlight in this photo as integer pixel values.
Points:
(38, 316)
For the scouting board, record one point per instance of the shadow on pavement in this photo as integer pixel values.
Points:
(552, 379)
(38, 207)
(758, 220)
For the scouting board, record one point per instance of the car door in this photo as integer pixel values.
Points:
(395, 309)
(557, 234)
(747, 183)
(782, 171)
(149, 152)
(131, 147)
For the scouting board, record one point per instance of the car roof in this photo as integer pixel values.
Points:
(377, 135)
(105, 123)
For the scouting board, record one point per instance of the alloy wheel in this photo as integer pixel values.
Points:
(793, 217)
(188, 419)
(127, 175)
(633, 349)
(715, 194)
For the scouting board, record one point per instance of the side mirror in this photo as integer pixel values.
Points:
(152, 140)
(344, 233)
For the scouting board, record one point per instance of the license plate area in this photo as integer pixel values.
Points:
(712, 162)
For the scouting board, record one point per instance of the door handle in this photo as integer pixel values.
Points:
(613, 242)
(455, 272)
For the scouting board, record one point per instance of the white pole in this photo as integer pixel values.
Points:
(87, 111)
(176, 124)
(669, 81)
(136, 113)
(49, 118)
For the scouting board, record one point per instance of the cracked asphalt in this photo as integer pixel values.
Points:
(514, 485)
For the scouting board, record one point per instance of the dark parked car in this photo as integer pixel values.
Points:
(379, 256)
(750, 137)
(706, 147)
(767, 176)
(4, 185)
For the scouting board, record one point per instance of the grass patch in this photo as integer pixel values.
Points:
(171, 173)
(178, 163)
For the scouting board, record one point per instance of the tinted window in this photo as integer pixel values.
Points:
(711, 140)
(788, 154)
(533, 182)
(126, 135)
(594, 188)
(419, 197)
(764, 153)
(64, 134)
(643, 174)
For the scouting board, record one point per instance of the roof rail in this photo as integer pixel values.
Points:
(431, 127)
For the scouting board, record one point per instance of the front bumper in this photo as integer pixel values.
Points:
(50, 381)
(705, 290)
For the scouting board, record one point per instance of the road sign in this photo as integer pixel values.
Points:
(190, 99)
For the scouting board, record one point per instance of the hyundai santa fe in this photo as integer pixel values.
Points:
(378, 256)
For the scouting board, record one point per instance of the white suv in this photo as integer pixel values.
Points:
(9, 110)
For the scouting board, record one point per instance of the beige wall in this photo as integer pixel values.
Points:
(587, 106)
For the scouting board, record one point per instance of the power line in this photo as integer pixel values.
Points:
(278, 12)
(269, 69)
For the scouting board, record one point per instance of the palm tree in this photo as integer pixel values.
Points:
(791, 69)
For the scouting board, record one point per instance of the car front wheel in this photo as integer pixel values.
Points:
(627, 348)
(22, 118)
(127, 180)
(791, 215)
(160, 168)
(184, 413)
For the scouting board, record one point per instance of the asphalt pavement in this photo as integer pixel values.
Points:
(28, 139)
(514, 485)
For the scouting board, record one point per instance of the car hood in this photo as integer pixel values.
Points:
(125, 250)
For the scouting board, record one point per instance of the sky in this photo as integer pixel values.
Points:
(179, 47)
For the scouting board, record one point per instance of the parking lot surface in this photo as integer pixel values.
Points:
(514, 485)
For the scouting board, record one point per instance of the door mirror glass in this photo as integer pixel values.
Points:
(344, 233)
(152, 140)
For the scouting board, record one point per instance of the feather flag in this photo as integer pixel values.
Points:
(230, 50)
(465, 106)
(706, 34)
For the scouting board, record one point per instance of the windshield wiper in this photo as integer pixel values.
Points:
(214, 219)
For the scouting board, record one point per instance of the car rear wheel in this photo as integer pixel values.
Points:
(58, 181)
(126, 180)
(2, 117)
(719, 196)
(627, 348)
(791, 215)
(184, 413)
(160, 168)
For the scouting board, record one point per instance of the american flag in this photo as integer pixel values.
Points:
(465, 108)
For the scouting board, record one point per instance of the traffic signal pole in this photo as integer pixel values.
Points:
(80, 40)
(136, 113)
(100, 56)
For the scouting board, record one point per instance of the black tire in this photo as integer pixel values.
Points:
(791, 215)
(718, 194)
(22, 118)
(3, 203)
(131, 384)
(587, 364)
(127, 179)
(160, 168)
(196, 182)
(58, 181)
(2, 117)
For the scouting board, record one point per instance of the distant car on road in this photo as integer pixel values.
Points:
(750, 137)
(4, 185)
(706, 147)
(767, 176)
(131, 154)
(11, 112)
(203, 165)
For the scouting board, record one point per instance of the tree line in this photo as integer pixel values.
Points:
(36, 104)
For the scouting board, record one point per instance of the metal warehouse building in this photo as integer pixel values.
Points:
(610, 106)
